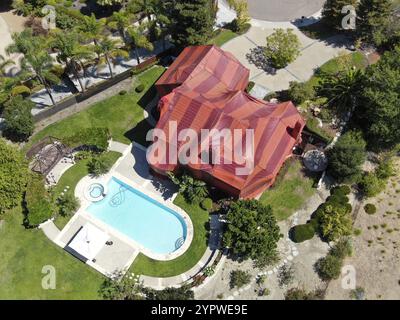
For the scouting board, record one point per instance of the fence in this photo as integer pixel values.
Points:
(79, 97)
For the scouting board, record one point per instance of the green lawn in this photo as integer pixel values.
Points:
(71, 177)
(222, 37)
(291, 190)
(146, 266)
(23, 253)
(121, 114)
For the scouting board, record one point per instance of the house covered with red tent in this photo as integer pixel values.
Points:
(204, 88)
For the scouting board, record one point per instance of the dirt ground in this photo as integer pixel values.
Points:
(376, 250)
(15, 23)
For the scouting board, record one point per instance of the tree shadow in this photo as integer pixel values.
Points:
(5, 5)
(257, 58)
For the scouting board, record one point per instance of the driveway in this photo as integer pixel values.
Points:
(314, 53)
(283, 10)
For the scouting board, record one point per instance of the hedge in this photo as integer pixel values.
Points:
(38, 203)
(206, 204)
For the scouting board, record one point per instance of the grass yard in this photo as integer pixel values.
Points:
(222, 37)
(24, 252)
(71, 177)
(145, 266)
(121, 114)
(290, 192)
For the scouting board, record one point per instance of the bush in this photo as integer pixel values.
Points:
(300, 92)
(239, 278)
(67, 204)
(250, 86)
(91, 137)
(329, 268)
(37, 201)
(13, 176)
(206, 204)
(19, 119)
(122, 92)
(371, 184)
(301, 294)
(83, 155)
(341, 190)
(139, 88)
(99, 165)
(335, 222)
(370, 208)
(303, 232)
(342, 249)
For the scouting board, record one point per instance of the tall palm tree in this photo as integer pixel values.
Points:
(71, 52)
(139, 40)
(92, 28)
(3, 64)
(23, 42)
(120, 20)
(109, 50)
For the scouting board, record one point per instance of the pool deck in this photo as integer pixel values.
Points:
(130, 168)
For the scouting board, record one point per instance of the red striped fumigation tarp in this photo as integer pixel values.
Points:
(204, 89)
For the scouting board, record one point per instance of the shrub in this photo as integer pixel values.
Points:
(250, 86)
(83, 155)
(99, 165)
(206, 204)
(13, 176)
(303, 232)
(67, 204)
(329, 268)
(37, 201)
(19, 119)
(282, 48)
(301, 294)
(342, 249)
(341, 190)
(139, 88)
(239, 278)
(95, 137)
(285, 275)
(370, 208)
(371, 184)
(122, 92)
(300, 92)
(335, 222)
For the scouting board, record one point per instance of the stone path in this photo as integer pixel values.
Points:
(50, 230)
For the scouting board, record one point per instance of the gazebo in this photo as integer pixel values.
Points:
(45, 154)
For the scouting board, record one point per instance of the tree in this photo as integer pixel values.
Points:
(300, 92)
(282, 48)
(192, 21)
(242, 15)
(91, 27)
(342, 89)
(252, 231)
(193, 190)
(332, 12)
(122, 287)
(71, 52)
(109, 2)
(335, 222)
(37, 62)
(159, 26)
(147, 7)
(347, 156)
(120, 20)
(13, 176)
(139, 40)
(19, 120)
(372, 19)
(378, 111)
(109, 51)
(181, 293)
(329, 267)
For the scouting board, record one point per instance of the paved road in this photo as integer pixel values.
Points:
(283, 10)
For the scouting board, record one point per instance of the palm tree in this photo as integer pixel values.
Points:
(23, 42)
(148, 7)
(192, 189)
(91, 27)
(159, 27)
(342, 89)
(139, 40)
(71, 52)
(120, 20)
(110, 50)
(3, 64)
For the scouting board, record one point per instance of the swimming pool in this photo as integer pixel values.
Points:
(143, 219)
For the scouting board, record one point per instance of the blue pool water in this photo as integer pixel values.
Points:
(140, 217)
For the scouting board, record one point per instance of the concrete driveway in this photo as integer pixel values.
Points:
(314, 53)
(283, 10)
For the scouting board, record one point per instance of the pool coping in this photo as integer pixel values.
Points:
(85, 203)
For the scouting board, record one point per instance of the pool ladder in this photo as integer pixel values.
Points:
(118, 198)
(179, 242)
